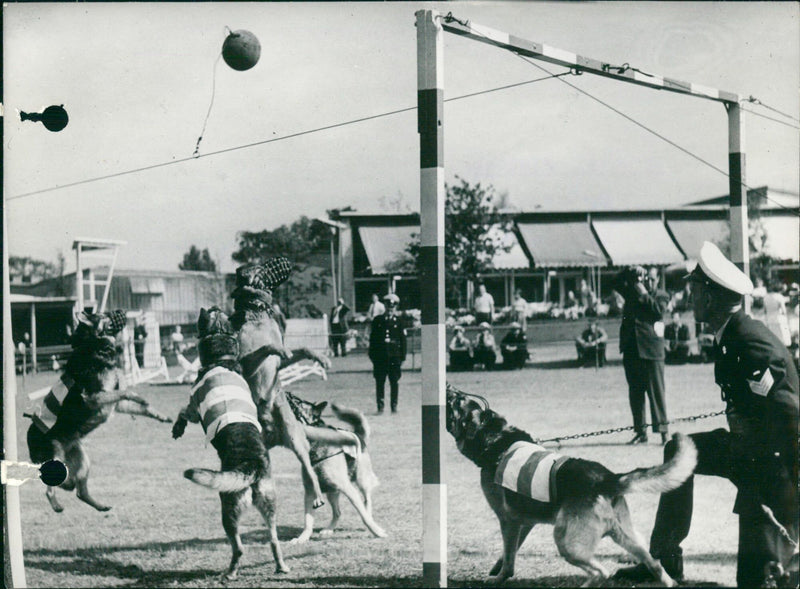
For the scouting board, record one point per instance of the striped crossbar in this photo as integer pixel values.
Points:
(568, 59)
(430, 112)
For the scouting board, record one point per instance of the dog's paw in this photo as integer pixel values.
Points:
(282, 569)
(318, 502)
(381, 533)
(326, 532)
(301, 539)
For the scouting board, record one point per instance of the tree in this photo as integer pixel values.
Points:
(30, 270)
(195, 259)
(474, 230)
(297, 242)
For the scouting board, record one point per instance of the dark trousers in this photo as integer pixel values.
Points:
(759, 539)
(382, 370)
(514, 358)
(338, 338)
(646, 377)
(591, 354)
(485, 356)
(460, 360)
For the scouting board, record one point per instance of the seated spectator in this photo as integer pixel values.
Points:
(460, 351)
(591, 345)
(571, 307)
(484, 351)
(514, 347)
(676, 340)
(176, 339)
(705, 342)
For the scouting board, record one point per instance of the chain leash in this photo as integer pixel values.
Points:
(615, 430)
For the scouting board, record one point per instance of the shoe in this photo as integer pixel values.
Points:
(380, 411)
(638, 439)
(394, 409)
(637, 573)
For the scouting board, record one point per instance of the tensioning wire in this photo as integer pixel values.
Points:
(272, 140)
(637, 123)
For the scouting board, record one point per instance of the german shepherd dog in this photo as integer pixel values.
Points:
(256, 326)
(221, 400)
(84, 398)
(339, 471)
(586, 500)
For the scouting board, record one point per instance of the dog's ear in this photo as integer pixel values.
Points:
(83, 317)
(320, 407)
(202, 321)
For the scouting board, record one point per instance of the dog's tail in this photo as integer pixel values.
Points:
(227, 481)
(664, 477)
(355, 419)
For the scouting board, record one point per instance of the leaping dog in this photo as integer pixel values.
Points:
(82, 400)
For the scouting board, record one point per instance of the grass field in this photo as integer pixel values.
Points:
(165, 531)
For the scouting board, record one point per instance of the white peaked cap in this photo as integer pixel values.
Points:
(716, 268)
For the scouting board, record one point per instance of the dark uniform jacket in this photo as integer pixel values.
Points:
(759, 384)
(388, 328)
(637, 335)
(343, 326)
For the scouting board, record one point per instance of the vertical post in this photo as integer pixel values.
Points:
(110, 276)
(12, 526)
(333, 273)
(79, 278)
(430, 111)
(34, 342)
(739, 231)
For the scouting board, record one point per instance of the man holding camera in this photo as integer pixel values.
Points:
(641, 341)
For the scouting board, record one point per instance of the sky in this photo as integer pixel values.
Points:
(137, 81)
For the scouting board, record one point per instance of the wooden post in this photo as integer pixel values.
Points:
(34, 343)
(15, 574)
(740, 254)
(430, 113)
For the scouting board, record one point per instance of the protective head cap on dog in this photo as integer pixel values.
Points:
(714, 268)
(258, 278)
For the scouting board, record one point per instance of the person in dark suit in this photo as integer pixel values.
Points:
(641, 341)
(676, 340)
(514, 347)
(387, 351)
(139, 341)
(758, 453)
(591, 345)
(339, 327)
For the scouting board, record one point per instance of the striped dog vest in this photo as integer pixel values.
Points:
(530, 470)
(51, 406)
(222, 397)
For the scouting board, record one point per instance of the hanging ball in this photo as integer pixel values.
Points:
(241, 50)
(55, 118)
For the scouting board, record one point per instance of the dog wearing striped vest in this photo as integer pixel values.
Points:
(526, 484)
(85, 397)
(222, 403)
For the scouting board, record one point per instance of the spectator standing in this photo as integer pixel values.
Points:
(758, 453)
(585, 293)
(641, 341)
(514, 347)
(485, 352)
(571, 306)
(139, 340)
(460, 351)
(387, 351)
(775, 313)
(759, 293)
(676, 341)
(376, 308)
(591, 345)
(483, 306)
(520, 310)
(176, 339)
(339, 327)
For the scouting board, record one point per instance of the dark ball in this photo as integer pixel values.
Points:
(53, 473)
(241, 50)
(55, 118)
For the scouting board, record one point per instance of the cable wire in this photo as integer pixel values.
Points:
(755, 100)
(197, 156)
(758, 114)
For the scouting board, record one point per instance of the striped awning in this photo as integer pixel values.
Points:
(637, 241)
(555, 244)
(386, 245)
(690, 234)
(783, 237)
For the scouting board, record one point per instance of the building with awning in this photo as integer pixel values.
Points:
(552, 252)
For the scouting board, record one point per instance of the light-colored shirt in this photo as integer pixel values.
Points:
(484, 303)
(375, 309)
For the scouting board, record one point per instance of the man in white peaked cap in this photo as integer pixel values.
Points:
(758, 453)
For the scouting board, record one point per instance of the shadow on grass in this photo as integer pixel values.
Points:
(570, 363)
